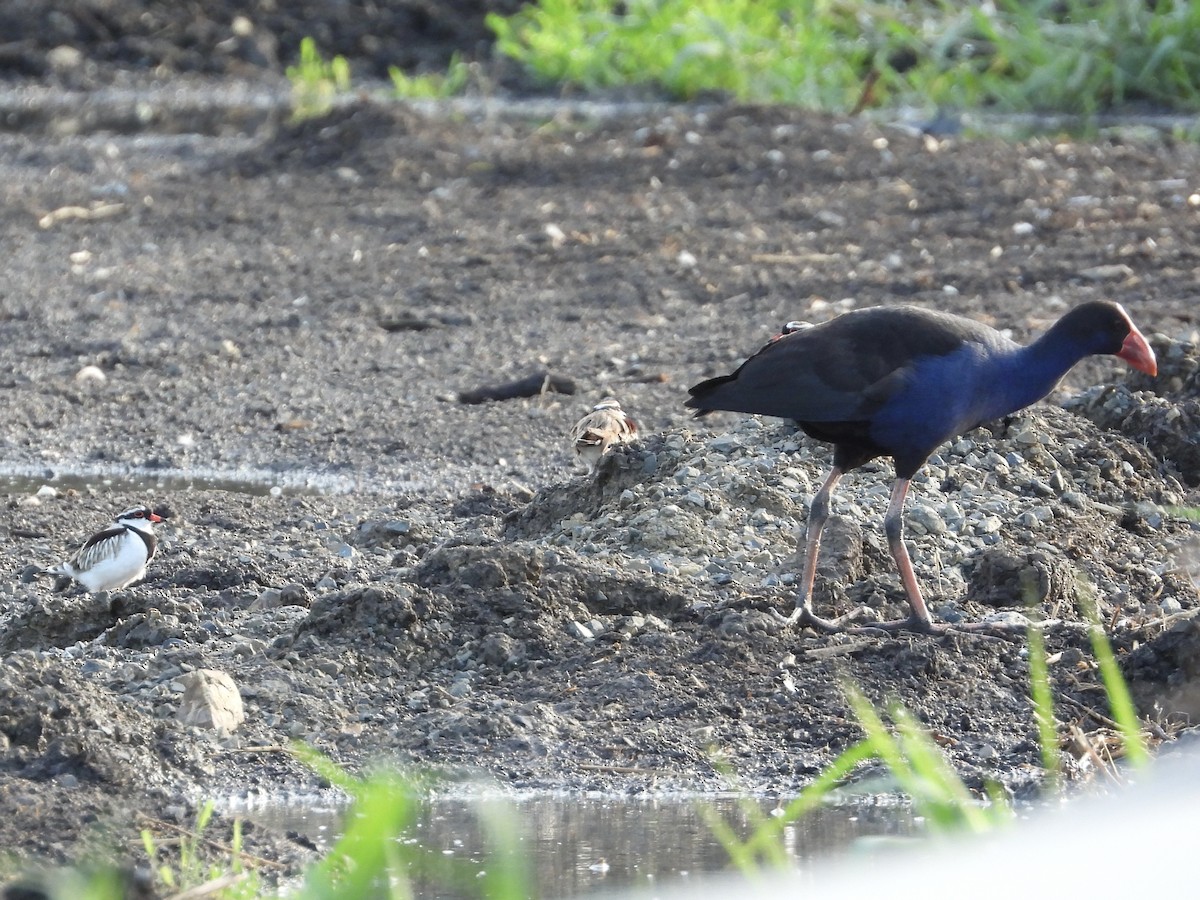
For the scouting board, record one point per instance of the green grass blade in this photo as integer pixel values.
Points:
(1120, 703)
(507, 876)
(938, 792)
(764, 843)
(1043, 706)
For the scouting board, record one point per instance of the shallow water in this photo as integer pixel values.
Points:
(230, 107)
(578, 846)
(28, 479)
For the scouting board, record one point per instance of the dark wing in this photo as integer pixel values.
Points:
(842, 370)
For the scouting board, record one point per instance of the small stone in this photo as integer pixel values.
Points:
(581, 631)
(270, 598)
(1114, 272)
(988, 525)
(724, 444)
(64, 58)
(925, 520)
(1007, 618)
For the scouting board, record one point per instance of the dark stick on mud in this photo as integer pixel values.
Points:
(530, 386)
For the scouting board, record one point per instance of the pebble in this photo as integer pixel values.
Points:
(269, 598)
(988, 525)
(1036, 517)
(725, 443)
(1074, 499)
(925, 520)
(581, 631)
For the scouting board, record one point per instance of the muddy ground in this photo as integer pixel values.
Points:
(309, 306)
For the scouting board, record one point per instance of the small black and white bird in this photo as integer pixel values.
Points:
(114, 557)
(605, 425)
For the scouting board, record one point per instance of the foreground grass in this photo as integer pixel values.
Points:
(370, 859)
(920, 770)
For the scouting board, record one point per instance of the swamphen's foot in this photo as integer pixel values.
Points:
(803, 617)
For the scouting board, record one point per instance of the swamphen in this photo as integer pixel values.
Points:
(898, 381)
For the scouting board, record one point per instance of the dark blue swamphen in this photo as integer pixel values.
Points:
(898, 381)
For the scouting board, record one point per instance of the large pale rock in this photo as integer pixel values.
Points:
(211, 700)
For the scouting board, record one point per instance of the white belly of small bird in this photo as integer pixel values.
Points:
(108, 565)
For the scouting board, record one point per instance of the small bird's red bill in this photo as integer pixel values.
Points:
(1138, 354)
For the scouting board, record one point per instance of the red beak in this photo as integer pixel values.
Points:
(1137, 353)
(155, 517)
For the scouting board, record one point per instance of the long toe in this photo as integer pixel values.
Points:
(803, 617)
(913, 623)
(918, 625)
(1000, 629)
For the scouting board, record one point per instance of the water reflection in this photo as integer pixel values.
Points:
(15, 479)
(578, 846)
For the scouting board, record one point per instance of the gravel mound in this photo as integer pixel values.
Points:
(1164, 412)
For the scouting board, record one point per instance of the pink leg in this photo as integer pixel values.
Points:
(893, 527)
(818, 513)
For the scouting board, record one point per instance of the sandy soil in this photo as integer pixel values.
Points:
(306, 307)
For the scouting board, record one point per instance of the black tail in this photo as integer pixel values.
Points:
(701, 392)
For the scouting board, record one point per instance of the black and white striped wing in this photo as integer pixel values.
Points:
(102, 547)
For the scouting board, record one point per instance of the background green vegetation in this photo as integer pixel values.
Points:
(1061, 56)
(1045, 56)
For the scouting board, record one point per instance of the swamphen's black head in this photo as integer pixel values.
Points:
(1101, 326)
